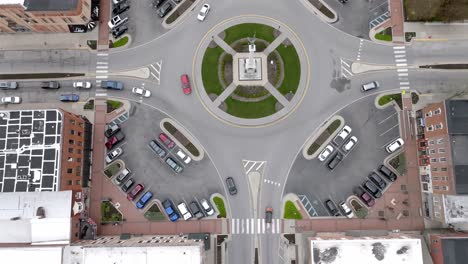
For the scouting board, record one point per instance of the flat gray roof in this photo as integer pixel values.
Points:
(457, 116)
(454, 250)
(50, 5)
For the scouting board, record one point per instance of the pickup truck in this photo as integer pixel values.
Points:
(114, 140)
(342, 135)
(114, 85)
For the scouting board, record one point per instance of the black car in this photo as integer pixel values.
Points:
(166, 8)
(332, 208)
(372, 189)
(335, 161)
(50, 85)
(158, 3)
(120, 8)
(127, 185)
(231, 186)
(119, 31)
(196, 211)
(387, 173)
(377, 180)
(268, 215)
(111, 130)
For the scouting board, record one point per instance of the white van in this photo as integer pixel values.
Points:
(184, 211)
(370, 86)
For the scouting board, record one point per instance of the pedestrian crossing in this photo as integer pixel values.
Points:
(102, 71)
(401, 63)
(251, 226)
(253, 166)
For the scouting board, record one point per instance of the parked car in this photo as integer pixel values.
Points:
(184, 157)
(325, 153)
(207, 207)
(111, 156)
(332, 208)
(347, 211)
(120, 8)
(170, 210)
(158, 3)
(111, 130)
(116, 2)
(124, 174)
(11, 100)
(144, 200)
(135, 191)
(114, 140)
(352, 141)
(156, 148)
(8, 85)
(342, 135)
(203, 12)
(184, 79)
(231, 185)
(372, 189)
(85, 85)
(387, 173)
(395, 145)
(370, 86)
(114, 85)
(127, 185)
(165, 139)
(69, 98)
(184, 211)
(367, 199)
(176, 167)
(165, 9)
(141, 92)
(335, 161)
(377, 180)
(117, 21)
(119, 31)
(196, 211)
(50, 85)
(268, 215)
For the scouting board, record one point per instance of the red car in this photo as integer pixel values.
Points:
(135, 191)
(114, 140)
(165, 139)
(368, 199)
(185, 84)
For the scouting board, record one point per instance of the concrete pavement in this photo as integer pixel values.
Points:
(46, 41)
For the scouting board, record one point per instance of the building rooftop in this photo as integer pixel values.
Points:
(454, 250)
(30, 148)
(11, 2)
(457, 116)
(368, 251)
(36, 255)
(21, 222)
(456, 208)
(50, 5)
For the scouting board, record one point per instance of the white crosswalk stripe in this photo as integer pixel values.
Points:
(401, 64)
(102, 70)
(248, 227)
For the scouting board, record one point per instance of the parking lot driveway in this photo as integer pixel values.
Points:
(198, 180)
(143, 22)
(373, 128)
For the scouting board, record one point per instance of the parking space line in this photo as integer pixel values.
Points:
(387, 118)
(388, 130)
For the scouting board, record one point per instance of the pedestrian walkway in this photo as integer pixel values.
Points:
(250, 226)
(46, 41)
(434, 31)
(399, 53)
(397, 21)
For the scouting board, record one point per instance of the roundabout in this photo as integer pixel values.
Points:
(254, 71)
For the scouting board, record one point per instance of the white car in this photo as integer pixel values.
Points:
(203, 12)
(344, 133)
(141, 92)
(350, 144)
(184, 211)
(86, 85)
(348, 212)
(111, 156)
(184, 157)
(11, 100)
(395, 145)
(117, 21)
(207, 207)
(325, 153)
(118, 1)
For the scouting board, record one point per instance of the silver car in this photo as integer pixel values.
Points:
(11, 100)
(8, 85)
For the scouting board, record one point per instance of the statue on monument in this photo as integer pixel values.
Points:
(250, 63)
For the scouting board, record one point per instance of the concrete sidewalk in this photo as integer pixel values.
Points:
(43, 41)
(437, 31)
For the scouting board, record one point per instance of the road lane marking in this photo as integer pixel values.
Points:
(278, 225)
(401, 64)
(402, 74)
(102, 67)
(237, 226)
(232, 226)
(101, 76)
(251, 167)
(402, 70)
(404, 87)
(399, 51)
(252, 222)
(102, 71)
(272, 227)
(400, 60)
(258, 226)
(388, 130)
(398, 47)
(263, 226)
(388, 117)
(103, 54)
(102, 62)
(247, 226)
(259, 166)
(400, 56)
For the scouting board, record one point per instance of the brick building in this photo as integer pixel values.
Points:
(448, 248)
(46, 16)
(442, 147)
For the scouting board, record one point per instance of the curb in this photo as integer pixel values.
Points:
(391, 103)
(319, 13)
(322, 128)
(216, 208)
(148, 206)
(141, 73)
(297, 202)
(124, 46)
(187, 135)
(181, 17)
(386, 161)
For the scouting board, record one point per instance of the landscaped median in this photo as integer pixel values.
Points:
(183, 139)
(291, 211)
(154, 213)
(219, 205)
(322, 137)
(109, 214)
(114, 168)
(387, 99)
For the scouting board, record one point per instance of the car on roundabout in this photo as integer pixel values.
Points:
(186, 89)
(141, 92)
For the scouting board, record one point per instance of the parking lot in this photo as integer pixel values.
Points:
(197, 181)
(374, 129)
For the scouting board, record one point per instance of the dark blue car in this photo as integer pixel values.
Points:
(69, 98)
(144, 199)
(114, 85)
(169, 208)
